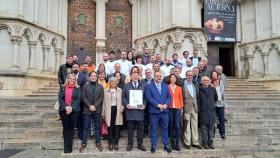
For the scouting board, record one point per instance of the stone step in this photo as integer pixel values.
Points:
(48, 89)
(244, 84)
(253, 92)
(51, 86)
(45, 93)
(253, 95)
(57, 143)
(248, 116)
(263, 110)
(254, 103)
(253, 123)
(252, 98)
(42, 95)
(26, 101)
(30, 123)
(269, 131)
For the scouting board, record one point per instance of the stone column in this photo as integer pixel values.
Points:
(46, 49)
(243, 62)
(172, 13)
(58, 52)
(192, 13)
(139, 18)
(134, 21)
(265, 60)
(257, 26)
(250, 62)
(272, 15)
(49, 14)
(60, 7)
(160, 15)
(31, 46)
(149, 17)
(177, 47)
(35, 13)
(16, 42)
(163, 50)
(99, 52)
(20, 9)
(100, 27)
(242, 22)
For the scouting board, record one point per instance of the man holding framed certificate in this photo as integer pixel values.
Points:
(134, 103)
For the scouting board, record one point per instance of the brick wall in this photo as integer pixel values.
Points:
(118, 25)
(81, 38)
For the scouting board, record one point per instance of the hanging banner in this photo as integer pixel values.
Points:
(220, 20)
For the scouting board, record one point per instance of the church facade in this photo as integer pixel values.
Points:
(36, 36)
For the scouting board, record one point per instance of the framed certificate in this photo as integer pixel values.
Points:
(136, 99)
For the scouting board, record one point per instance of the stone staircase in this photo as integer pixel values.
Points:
(252, 129)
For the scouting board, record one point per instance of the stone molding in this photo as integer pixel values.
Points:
(176, 36)
(21, 28)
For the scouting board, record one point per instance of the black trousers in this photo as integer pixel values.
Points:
(113, 130)
(146, 121)
(207, 133)
(68, 123)
(140, 131)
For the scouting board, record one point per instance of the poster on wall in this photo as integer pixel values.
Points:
(220, 20)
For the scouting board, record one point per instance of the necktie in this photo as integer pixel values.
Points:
(159, 88)
(135, 84)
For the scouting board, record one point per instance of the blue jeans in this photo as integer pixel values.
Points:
(220, 111)
(86, 127)
(174, 124)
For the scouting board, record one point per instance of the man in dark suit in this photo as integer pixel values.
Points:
(195, 58)
(92, 96)
(81, 80)
(64, 70)
(158, 96)
(147, 80)
(134, 116)
(207, 112)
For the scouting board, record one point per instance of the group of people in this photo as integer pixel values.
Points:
(179, 96)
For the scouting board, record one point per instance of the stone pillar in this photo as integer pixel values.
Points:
(250, 62)
(272, 15)
(243, 64)
(46, 49)
(172, 13)
(192, 13)
(139, 18)
(99, 53)
(31, 46)
(60, 7)
(58, 52)
(35, 13)
(100, 27)
(20, 9)
(160, 15)
(257, 26)
(163, 50)
(265, 60)
(177, 47)
(16, 42)
(134, 21)
(49, 14)
(149, 17)
(242, 22)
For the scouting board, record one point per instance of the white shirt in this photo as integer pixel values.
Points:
(184, 70)
(110, 67)
(195, 61)
(150, 66)
(107, 67)
(125, 66)
(166, 69)
(183, 61)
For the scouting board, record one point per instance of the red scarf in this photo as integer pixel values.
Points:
(68, 94)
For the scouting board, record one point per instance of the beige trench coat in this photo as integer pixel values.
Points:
(106, 107)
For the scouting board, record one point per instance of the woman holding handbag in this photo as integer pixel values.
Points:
(112, 112)
(69, 100)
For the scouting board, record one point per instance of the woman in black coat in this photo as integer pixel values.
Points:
(207, 112)
(69, 106)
